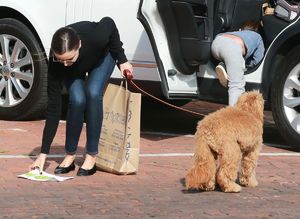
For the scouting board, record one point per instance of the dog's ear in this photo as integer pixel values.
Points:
(252, 102)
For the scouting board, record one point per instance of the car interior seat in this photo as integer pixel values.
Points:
(231, 14)
(284, 13)
(223, 15)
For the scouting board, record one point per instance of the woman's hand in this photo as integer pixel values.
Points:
(39, 162)
(126, 66)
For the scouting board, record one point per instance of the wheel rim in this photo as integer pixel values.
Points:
(291, 98)
(16, 71)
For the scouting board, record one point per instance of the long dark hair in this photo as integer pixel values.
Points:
(64, 40)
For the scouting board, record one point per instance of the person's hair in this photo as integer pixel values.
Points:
(251, 25)
(64, 40)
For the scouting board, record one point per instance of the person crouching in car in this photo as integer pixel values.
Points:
(77, 49)
(235, 50)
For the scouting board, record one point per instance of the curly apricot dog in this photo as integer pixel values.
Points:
(226, 138)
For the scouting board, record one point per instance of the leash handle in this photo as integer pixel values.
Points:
(127, 74)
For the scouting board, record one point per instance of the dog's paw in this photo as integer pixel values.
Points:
(201, 187)
(233, 187)
(210, 186)
(248, 182)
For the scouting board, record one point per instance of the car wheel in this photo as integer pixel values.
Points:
(285, 97)
(23, 67)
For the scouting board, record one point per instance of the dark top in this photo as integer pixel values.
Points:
(97, 39)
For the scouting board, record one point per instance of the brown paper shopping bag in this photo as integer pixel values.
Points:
(120, 134)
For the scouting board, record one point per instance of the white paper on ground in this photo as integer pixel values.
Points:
(36, 175)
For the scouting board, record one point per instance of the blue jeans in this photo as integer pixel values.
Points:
(85, 98)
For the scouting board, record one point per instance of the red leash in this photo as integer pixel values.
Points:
(128, 75)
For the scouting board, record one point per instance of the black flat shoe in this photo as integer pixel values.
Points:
(63, 170)
(83, 172)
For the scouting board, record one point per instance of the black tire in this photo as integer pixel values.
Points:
(32, 106)
(281, 113)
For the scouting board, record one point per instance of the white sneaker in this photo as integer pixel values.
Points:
(222, 74)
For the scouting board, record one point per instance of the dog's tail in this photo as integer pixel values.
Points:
(202, 174)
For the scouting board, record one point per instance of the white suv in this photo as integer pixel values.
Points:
(167, 41)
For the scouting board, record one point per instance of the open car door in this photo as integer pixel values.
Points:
(181, 33)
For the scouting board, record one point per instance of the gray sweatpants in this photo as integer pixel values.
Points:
(230, 52)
